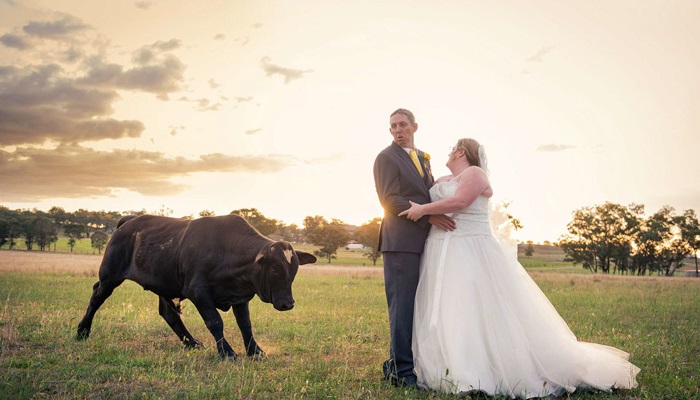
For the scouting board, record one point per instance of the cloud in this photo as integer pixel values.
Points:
(220, 36)
(40, 103)
(48, 108)
(213, 84)
(246, 99)
(149, 54)
(158, 79)
(203, 104)
(14, 41)
(65, 27)
(539, 56)
(160, 75)
(174, 130)
(72, 171)
(555, 147)
(244, 40)
(536, 58)
(288, 73)
(144, 4)
(70, 99)
(252, 131)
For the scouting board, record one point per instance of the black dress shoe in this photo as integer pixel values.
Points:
(408, 381)
(388, 369)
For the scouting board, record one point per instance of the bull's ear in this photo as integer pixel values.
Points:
(259, 257)
(305, 258)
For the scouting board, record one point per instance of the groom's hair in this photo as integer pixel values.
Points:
(405, 112)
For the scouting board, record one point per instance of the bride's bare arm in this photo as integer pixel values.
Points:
(471, 183)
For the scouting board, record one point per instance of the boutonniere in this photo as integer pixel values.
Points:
(426, 164)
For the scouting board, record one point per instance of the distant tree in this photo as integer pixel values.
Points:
(26, 227)
(71, 244)
(136, 212)
(601, 235)
(290, 233)
(110, 219)
(329, 235)
(264, 225)
(84, 218)
(59, 216)
(73, 231)
(44, 232)
(690, 233)
(313, 223)
(99, 240)
(14, 231)
(515, 222)
(164, 211)
(207, 213)
(368, 235)
(529, 249)
(4, 231)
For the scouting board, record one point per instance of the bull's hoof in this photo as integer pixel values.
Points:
(256, 353)
(229, 357)
(192, 344)
(258, 356)
(82, 334)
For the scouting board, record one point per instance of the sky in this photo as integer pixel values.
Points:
(283, 105)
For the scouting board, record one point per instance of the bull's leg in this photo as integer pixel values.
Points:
(211, 317)
(171, 314)
(101, 290)
(242, 313)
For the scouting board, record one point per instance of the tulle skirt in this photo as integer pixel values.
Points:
(481, 323)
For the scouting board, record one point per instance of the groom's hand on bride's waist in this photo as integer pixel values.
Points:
(443, 222)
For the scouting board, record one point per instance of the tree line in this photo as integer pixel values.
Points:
(613, 238)
(38, 230)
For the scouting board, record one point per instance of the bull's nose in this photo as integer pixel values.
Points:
(285, 306)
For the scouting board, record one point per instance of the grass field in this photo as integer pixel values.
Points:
(329, 346)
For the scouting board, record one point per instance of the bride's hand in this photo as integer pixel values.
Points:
(414, 213)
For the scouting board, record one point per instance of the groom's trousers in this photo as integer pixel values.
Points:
(401, 272)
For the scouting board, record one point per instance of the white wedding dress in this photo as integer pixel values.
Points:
(481, 323)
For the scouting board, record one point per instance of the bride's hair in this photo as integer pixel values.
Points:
(471, 150)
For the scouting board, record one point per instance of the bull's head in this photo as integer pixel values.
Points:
(274, 270)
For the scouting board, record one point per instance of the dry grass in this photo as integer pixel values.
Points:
(35, 261)
(89, 265)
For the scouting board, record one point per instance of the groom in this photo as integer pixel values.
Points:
(402, 173)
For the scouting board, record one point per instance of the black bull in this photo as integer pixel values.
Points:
(215, 262)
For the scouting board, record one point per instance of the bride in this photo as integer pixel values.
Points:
(481, 323)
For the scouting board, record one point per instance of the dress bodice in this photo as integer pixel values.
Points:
(472, 220)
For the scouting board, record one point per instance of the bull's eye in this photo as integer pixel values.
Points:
(274, 271)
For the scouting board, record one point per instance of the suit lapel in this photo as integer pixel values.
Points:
(403, 155)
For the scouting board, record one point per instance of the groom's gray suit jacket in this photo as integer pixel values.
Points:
(397, 181)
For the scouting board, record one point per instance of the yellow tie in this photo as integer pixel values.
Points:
(414, 157)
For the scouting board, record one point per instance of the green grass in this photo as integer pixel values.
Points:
(82, 246)
(329, 346)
